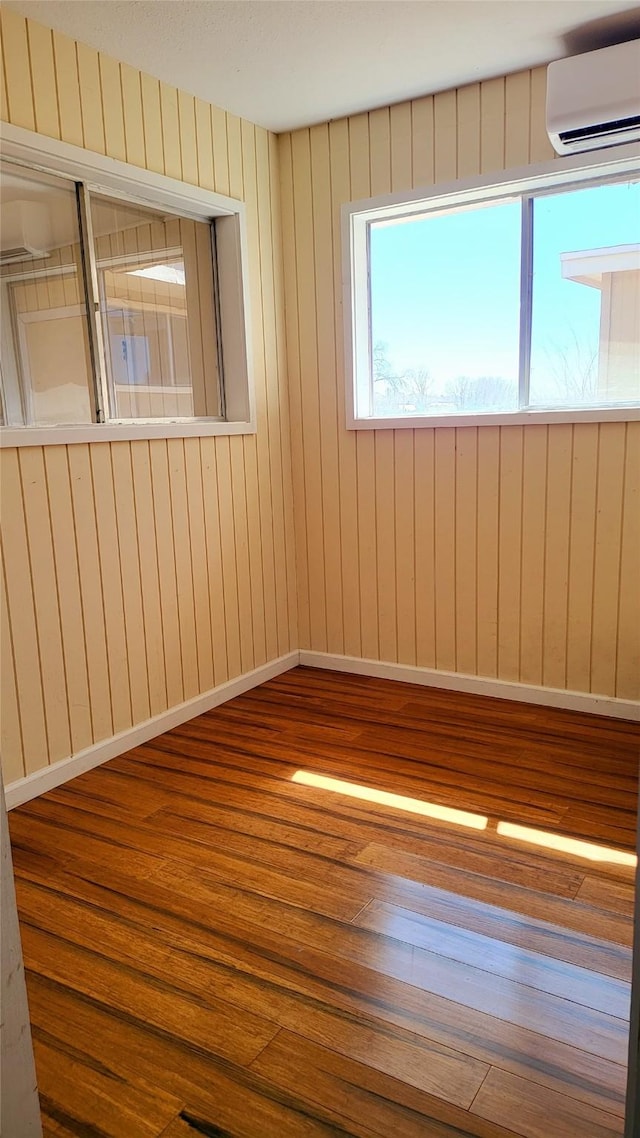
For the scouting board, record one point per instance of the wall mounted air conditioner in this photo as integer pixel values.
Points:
(593, 100)
(24, 231)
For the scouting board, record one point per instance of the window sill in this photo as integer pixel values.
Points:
(502, 419)
(119, 432)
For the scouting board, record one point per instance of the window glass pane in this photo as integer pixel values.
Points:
(445, 303)
(155, 276)
(46, 359)
(585, 344)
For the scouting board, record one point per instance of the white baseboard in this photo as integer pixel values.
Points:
(477, 685)
(37, 783)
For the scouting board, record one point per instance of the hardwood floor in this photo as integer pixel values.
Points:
(215, 949)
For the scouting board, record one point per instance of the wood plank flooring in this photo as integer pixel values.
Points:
(213, 948)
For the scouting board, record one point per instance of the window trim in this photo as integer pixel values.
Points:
(116, 179)
(594, 167)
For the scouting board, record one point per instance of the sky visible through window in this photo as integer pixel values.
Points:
(445, 302)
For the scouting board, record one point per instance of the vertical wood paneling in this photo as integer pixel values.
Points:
(170, 131)
(492, 124)
(91, 99)
(606, 562)
(22, 615)
(230, 575)
(340, 191)
(466, 543)
(17, 69)
(309, 399)
(424, 466)
(556, 562)
(202, 590)
(517, 120)
(68, 89)
(582, 513)
(91, 591)
(204, 145)
(488, 538)
(112, 585)
(445, 547)
(259, 502)
(470, 550)
(510, 552)
(152, 124)
(534, 508)
(360, 175)
(10, 732)
(45, 600)
(469, 134)
(273, 347)
(131, 576)
(628, 658)
(111, 86)
(69, 595)
(43, 79)
(323, 252)
(132, 112)
(149, 577)
(217, 600)
(183, 567)
(423, 141)
(140, 574)
(293, 367)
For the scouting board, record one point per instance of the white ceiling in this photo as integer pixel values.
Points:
(289, 63)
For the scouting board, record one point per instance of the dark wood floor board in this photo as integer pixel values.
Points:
(541, 1115)
(213, 948)
(444, 709)
(319, 889)
(244, 729)
(373, 764)
(35, 834)
(455, 1026)
(199, 1020)
(597, 956)
(567, 914)
(353, 1092)
(76, 1092)
(618, 896)
(483, 857)
(568, 981)
(343, 1005)
(218, 1093)
(512, 860)
(330, 859)
(216, 763)
(288, 982)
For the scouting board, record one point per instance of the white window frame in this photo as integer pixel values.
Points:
(561, 173)
(116, 179)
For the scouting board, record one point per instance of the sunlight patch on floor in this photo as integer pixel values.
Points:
(566, 845)
(397, 801)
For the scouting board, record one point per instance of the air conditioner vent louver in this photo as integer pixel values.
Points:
(593, 100)
(20, 253)
(601, 130)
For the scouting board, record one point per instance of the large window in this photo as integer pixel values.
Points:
(522, 301)
(118, 308)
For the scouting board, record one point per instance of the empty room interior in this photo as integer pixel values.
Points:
(320, 598)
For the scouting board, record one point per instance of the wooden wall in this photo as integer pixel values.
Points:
(503, 552)
(137, 575)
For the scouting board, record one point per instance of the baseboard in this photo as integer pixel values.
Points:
(37, 783)
(476, 685)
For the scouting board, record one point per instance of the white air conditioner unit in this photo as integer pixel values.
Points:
(593, 100)
(25, 231)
